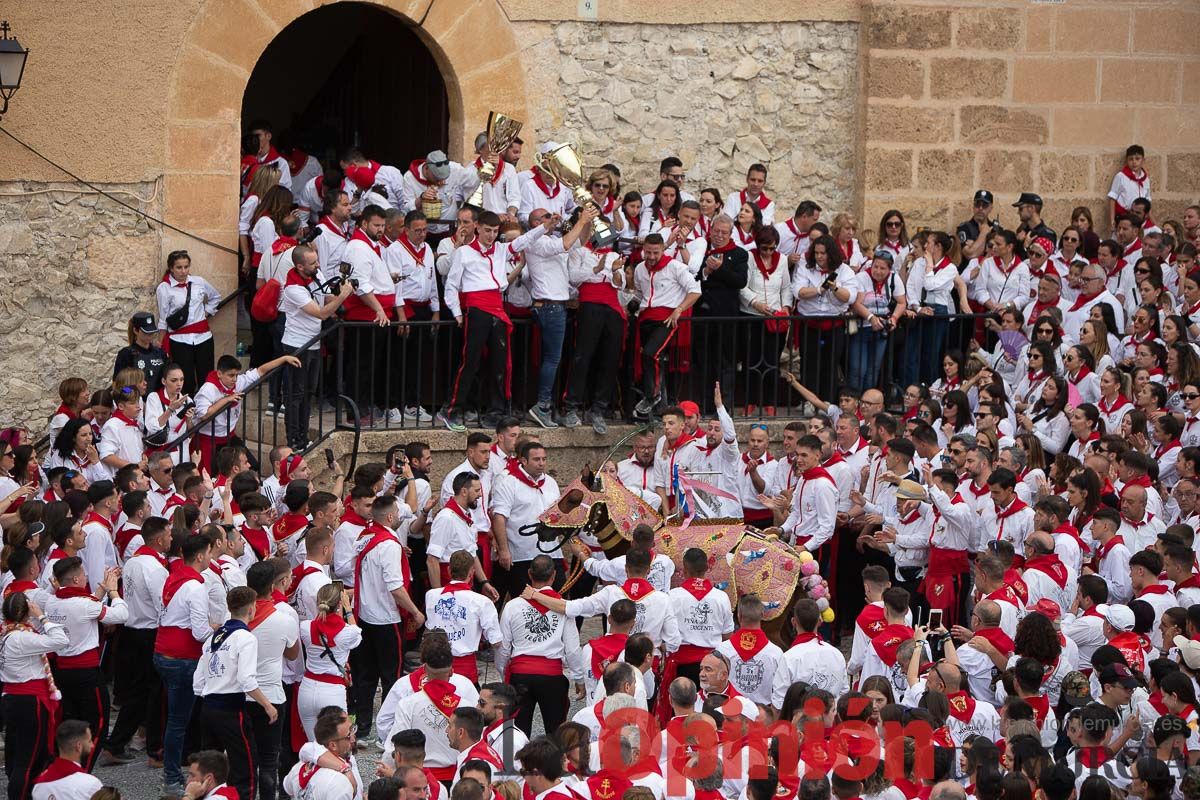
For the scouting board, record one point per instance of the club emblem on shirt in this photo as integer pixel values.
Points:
(875, 628)
(749, 675)
(538, 626)
(698, 616)
(748, 640)
(605, 789)
(959, 703)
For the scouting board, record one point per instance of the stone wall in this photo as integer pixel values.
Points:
(721, 96)
(76, 266)
(1017, 97)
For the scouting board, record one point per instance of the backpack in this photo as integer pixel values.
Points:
(265, 306)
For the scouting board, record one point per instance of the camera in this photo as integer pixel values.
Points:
(187, 406)
(334, 284)
(829, 284)
(311, 236)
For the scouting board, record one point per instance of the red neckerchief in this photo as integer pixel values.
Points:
(459, 512)
(1154, 588)
(941, 265)
(414, 169)
(59, 768)
(1163, 449)
(763, 459)
(120, 415)
(1080, 374)
(351, 517)
(762, 201)
(147, 550)
(1014, 507)
(748, 642)
(94, 517)
(214, 380)
(804, 638)
(637, 588)
(541, 609)
(697, 587)
(378, 535)
(608, 785)
(1067, 529)
(282, 244)
(871, 620)
(443, 696)
(259, 541)
(978, 491)
(331, 226)
(1118, 265)
(1016, 262)
(1134, 246)
(1006, 594)
(56, 554)
(1093, 757)
(836, 458)
(998, 639)
(1192, 582)
(605, 649)
(725, 248)
(262, 610)
(1141, 182)
(858, 446)
(1106, 408)
(500, 165)
(962, 706)
(518, 472)
(294, 278)
(541, 184)
(1051, 565)
(1013, 579)
(180, 575)
(661, 265)
(911, 516)
(408, 245)
(67, 592)
(323, 632)
(298, 575)
(888, 641)
(19, 586)
(1083, 299)
(745, 238)
(1040, 705)
(287, 525)
(763, 270)
(359, 236)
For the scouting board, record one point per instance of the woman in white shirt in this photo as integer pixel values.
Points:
(1047, 419)
(893, 237)
(1041, 366)
(169, 408)
(842, 230)
(327, 642)
(662, 212)
(747, 225)
(880, 305)
(191, 342)
(1095, 337)
(1144, 327)
(1078, 368)
(74, 448)
(1114, 403)
(767, 293)
(265, 177)
(930, 288)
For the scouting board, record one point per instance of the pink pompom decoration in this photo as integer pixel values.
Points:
(809, 568)
(817, 592)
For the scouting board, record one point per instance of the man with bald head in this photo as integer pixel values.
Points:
(714, 678)
(969, 712)
(1139, 527)
(948, 790)
(871, 405)
(975, 654)
(1092, 292)
(1045, 574)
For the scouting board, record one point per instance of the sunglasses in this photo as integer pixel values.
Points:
(893, 223)
(1142, 270)
(1070, 239)
(1190, 396)
(758, 426)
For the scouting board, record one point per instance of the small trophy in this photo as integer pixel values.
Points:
(502, 130)
(565, 165)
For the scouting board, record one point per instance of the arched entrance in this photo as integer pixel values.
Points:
(374, 85)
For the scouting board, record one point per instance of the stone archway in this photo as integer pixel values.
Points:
(471, 41)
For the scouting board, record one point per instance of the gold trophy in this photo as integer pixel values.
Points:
(502, 130)
(565, 165)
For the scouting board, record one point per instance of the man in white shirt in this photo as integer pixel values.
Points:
(519, 497)
(142, 580)
(543, 190)
(546, 266)
(1092, 292)
(667, 288)
(637, 473)
(702, 612)
(310, 781)
(794, 238)
(218, 403)
(814, 500)
(670, 169)
(436, 186)
(381, 604)
(1084, 625)
(226, 675)
(304, 307)
(77, 667)
(453, 530)
(753, 657)
(465, 615)
(539, 649)
(335, 235)
(809, 659)
(411, 258)
(99, 551)
(479, 455)
(479, 272)
(756, 179)
(67, 777)
(501, 194)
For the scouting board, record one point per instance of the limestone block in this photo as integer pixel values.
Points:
(16, 238)
(687, 44)
(1159, 128)
(987, 29)
(235, 30)
(572, 72)
(119, 261)
(946, 169)
(907, 124)
(753, 148)
(1063, 173)
(1039, 34)
(1042, 80)
(889, 76)
(1099, 126)
(1000, 125)
(953, 78)
(1006, 170)
(1092, 30)
(888, 170)
(1166, 30)
(767, 101)
(1124, 80)
(1183, 172)
(747, 68)
(902, 27)
(599, 115)
(617, 93)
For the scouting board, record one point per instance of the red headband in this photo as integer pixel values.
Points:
(287, 466)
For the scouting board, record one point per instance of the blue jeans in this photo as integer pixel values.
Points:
(551, 318)
(866, 356)
(923, 348)
(176, 676)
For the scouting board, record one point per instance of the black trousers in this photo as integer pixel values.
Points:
(27, 749)
(715, 359)
(85, 697)
(361, 373)
(139, 689)
(482, 332)
(548, 693)
(375, 662)
(822, 352)
(599, 337)
(420, 357)
(300, 392)
(229, 729)
(196, 361)
(287, 755)
(655, 336)
(268, 738)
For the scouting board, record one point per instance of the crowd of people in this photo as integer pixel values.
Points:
(1009, 553)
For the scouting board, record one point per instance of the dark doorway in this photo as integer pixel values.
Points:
(351, 74)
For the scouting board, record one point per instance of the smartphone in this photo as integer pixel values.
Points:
(935, 619)
(329, 459)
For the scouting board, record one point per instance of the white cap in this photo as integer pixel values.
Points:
(740, 706)
(546, 147)
(1120, 617)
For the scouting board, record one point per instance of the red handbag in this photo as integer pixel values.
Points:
(778, 322)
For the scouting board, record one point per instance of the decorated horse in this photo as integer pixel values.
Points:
(600, 512)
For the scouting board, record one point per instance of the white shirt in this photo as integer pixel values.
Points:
(999, 286)
(474, 268)
(77, 786)
(188, 609)
(774, 289)
(142, 579)
(465, 616)
(418, 711)
(320, 661)
(931, 290)
(80, 615)
(815, 662)
(558, 200)
(21, 652)
(655, 613)
(792, 241)
(320, 783)
(546, 265)
(414, 265)
(409, 685)
(449, 533)
(345, 549)
(814, 511)
(520, 505)
(230, 669)
(526, 631)
(300, 325)
(122, 439)
(824, 304)
(331, 247)
(703, 622)
(502, 191)
(662, 570)
(276, 633)
(381, 575)
(227, 419)
(99, 552)
(368, 268)
(457, 187)
(1125, 190)
(170, 297)
(733, 205)
(666, 287)
(754, 677)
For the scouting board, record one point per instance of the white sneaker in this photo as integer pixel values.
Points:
(417, 414)
(395, 416)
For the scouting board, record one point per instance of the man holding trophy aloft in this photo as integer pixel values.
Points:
(499, 189)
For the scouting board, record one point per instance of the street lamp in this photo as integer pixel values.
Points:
(12, 65)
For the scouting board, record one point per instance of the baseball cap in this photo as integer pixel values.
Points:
(437, 165)
(1189, 651)
(1076, 689)
(1028, 199)
(689, 408)
(1120, 617)
(736, 706)
(1047, 608)
(546, 147)
(143, 321)
(984, 196)
(1119, 674)
(909, 490)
